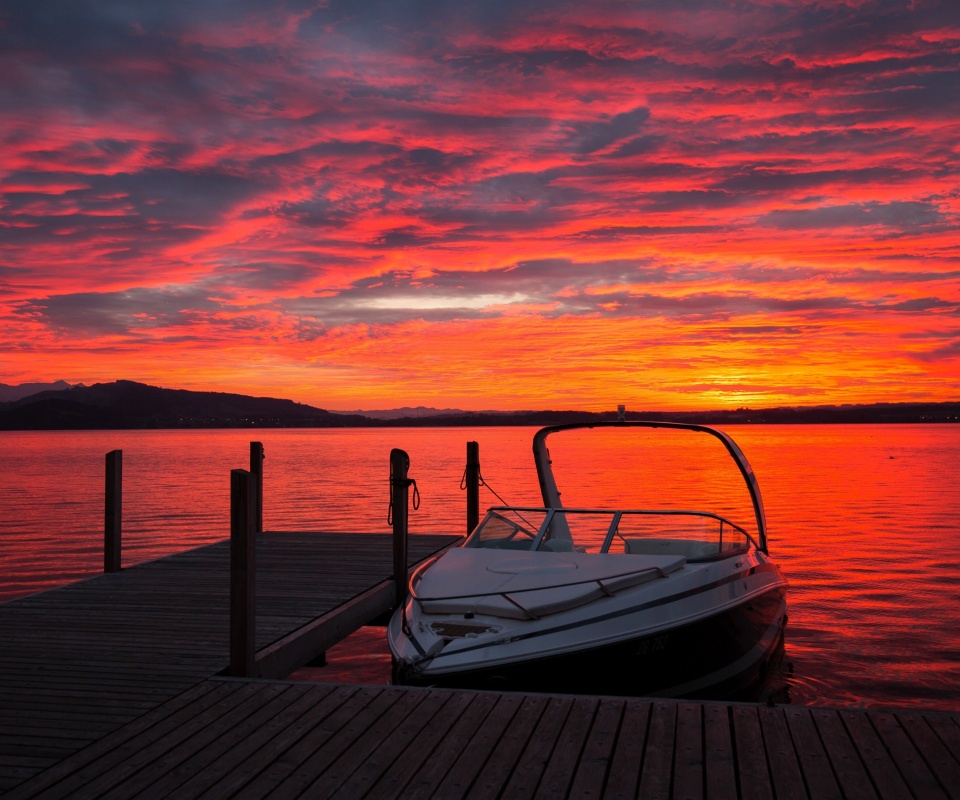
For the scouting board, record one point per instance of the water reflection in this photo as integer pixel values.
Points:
(863, 520)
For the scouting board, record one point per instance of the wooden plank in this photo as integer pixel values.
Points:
(56, 729)
(884, 775)
(320, 634)
(382, 748)
(784, 767)
(179, 764)
(688, 770)
(529, 768)
(335, 736)
(624, 775)
(720, 764)
(849, 770)
(911, 765)
(658, 756)
(130, 758)
(232, 747)
(751, 754)
(12, 773)
(568, 749)
(598, 754)
(270, 746)
(948, 732)
(816, 767)
(936, 756)
(454, 767)
(40, 747)
(141, 729)
(349, 719)
(422, 749)
(403, 715)
(506, 754)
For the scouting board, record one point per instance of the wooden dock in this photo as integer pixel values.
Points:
(113, 687)
(81, 661)
(237, 738)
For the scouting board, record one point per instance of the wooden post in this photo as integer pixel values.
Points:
(399, 494)
(243, 616)
(256, 467)
(113, 511)
(472, 480)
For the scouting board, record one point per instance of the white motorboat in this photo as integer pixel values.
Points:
(664, 601)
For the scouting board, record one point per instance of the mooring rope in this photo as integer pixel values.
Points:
(407, 483)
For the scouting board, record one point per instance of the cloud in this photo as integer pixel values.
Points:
(297, 180)
(947, 352)
(114, 313)
(896, 215)
(593, 136)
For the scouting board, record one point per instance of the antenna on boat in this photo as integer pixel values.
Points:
(621, 412)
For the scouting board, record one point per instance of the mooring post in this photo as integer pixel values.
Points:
(243, 616)
(472, 481)
(399, 495)
(256, 467)
(113, 511)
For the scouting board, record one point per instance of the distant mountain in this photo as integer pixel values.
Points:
(873, 413)
(126, 404)
(10, 393)
(419, 412)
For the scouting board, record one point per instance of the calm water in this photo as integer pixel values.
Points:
(864, 521)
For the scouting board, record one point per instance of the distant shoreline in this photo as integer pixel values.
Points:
(126, 405)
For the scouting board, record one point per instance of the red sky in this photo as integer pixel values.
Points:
(361, 205)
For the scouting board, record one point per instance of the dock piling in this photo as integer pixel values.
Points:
(243, 515)
(113, 511)
(256, 467)
(472, 485)
(399, 496)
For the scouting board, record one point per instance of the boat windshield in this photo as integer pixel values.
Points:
(693, 534)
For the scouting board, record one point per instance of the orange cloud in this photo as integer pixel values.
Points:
(423, 204)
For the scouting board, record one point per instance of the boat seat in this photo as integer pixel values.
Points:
(509, 544)
(558, 546)
(689, 548)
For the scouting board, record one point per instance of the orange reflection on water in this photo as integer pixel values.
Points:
(862, 519)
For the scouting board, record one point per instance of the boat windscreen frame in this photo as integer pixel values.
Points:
(548, 483)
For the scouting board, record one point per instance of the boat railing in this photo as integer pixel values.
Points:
(542, 531)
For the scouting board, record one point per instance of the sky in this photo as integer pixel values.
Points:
(484, 205)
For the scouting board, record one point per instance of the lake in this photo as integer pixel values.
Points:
(863, 519)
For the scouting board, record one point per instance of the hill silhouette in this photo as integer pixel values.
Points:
(127, 404)
(130, 405)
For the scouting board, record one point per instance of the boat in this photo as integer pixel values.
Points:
(642, 601)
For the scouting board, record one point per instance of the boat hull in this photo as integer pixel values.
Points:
(718, 656)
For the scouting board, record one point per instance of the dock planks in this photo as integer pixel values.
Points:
(82, 660)
(237, 738)
(112, 688)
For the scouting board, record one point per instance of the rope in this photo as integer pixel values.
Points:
(492, 490)
(397, 483)
(463, 486)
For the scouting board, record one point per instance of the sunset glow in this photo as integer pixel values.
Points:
(364, 205)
